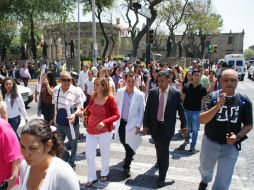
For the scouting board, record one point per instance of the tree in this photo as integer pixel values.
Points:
(31, 11)
(204, 21)
(248, 54)
(136, 34)
(172, 12)
(102, 6)
(8, 31)
(159, 36)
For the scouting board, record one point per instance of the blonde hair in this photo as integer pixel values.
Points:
(65, 73)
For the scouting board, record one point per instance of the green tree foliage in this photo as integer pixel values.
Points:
(8, 31)
(32, 11)
(172, 12)
(204, 22)
(248, 53)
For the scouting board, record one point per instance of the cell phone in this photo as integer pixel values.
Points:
(4, 185)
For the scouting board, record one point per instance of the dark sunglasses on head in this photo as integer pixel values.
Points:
(65, 80)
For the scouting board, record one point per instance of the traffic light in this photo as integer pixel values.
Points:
(210, 48)
(215, 47)
(136, 5)
(150, 36)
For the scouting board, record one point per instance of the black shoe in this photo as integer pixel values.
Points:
(193, 151)
(156, 166)
(202, 186)
(161, 183)
(127, 172)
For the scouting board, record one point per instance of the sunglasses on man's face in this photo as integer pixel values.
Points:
(65, 80)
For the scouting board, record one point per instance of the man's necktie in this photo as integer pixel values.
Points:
(161, 106)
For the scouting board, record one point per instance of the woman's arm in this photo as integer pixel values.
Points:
(114, 111)
(3, 111)
(22, 107)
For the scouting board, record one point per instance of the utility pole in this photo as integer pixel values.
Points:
(148, 44)
(78, 66)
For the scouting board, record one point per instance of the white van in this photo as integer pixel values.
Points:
(237, 62)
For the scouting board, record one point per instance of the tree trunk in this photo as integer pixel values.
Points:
(112, 47)
(141, 33)
(202, 44)
(105, 37)
(33, 44)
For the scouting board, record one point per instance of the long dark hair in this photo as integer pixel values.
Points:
(14, 90)
(51, 79)
(41, 129)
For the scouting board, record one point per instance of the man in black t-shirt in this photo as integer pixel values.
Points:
(227, 121)
(192, 96)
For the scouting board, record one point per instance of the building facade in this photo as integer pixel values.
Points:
(58, 38)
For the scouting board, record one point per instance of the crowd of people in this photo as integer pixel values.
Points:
(122, 98)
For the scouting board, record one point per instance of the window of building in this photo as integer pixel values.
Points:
(230, 40)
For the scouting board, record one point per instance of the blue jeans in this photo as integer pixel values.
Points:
(64, 130)
(225, 155)
(15, 122)
(193, 124)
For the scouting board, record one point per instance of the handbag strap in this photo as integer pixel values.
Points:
(57, 98)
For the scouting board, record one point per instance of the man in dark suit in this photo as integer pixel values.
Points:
(159, 119)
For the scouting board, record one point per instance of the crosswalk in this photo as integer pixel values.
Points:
(182, 173)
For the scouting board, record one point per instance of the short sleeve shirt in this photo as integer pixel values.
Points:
(240, 114)
(9, 150)
(193, 97)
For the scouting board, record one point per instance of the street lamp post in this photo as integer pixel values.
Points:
(95, 48)
(78, 67)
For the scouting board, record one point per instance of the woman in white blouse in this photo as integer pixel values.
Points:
(42, 168)
(14, 102)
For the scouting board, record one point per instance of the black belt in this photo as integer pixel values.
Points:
(123, 120)
(160, 122)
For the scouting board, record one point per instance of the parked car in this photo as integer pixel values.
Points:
(26, 93)
(251, 71)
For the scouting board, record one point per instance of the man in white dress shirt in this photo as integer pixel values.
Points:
(130, 102)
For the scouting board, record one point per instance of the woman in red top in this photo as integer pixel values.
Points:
(103, 112)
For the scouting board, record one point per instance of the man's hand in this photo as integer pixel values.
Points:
(72, 118)
(52, 123)
(145, 130)
(137, 131)
(231, 138)
(222, 99)
(80, 112)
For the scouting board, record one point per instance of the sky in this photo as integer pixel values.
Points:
(237, 16)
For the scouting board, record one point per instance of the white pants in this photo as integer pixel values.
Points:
(91, 145)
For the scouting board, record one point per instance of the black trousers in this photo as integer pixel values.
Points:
(162, 150)
(47, 110)
(25, 80)
(129, 153)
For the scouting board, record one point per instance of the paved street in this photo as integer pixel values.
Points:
(183, 171)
